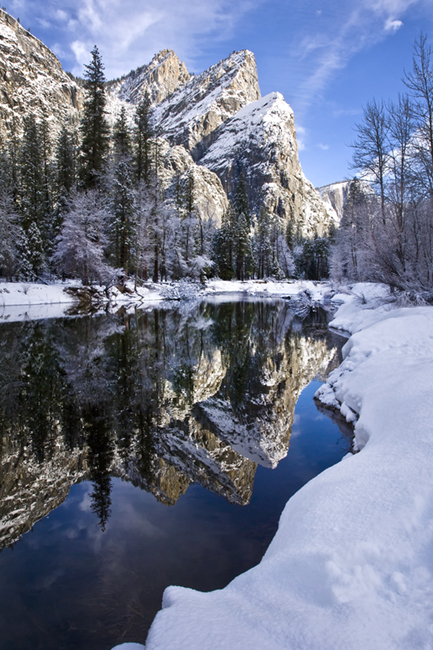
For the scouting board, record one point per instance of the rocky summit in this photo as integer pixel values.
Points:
(217, 123)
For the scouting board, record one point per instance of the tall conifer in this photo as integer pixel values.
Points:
(94, 127)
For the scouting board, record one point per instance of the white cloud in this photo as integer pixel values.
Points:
(80, 51)
(393, 25)
(323, 147)
(44, 23)
(128, 33)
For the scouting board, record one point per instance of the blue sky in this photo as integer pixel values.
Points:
(327, 58)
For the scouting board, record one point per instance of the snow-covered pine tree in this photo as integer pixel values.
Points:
(261, 245)
(31, 185)
(143, 134)
(94, 127)
(10, 235)
(241, 231)
(223, 244)
(65, 173)
(80, 245)
(122, 222)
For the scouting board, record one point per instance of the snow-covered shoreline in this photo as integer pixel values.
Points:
(32, 301)
(350, 566)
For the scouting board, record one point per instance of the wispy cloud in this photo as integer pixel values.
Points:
(328, 45)
(128, 32)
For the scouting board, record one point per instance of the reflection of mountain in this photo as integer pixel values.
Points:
(160, 399)
(30, 490)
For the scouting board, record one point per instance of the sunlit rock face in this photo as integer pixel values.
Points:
(218, 117)
(32, 79)
(221, 119)
(164, 74)
(210, 199)
(196, 109)
(336, 195)
(260, 141)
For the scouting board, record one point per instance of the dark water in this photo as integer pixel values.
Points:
(139, 451)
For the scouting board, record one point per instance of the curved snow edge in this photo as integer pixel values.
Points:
(349, 566)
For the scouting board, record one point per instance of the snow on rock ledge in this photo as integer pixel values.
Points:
(350, 566)
(261, 139)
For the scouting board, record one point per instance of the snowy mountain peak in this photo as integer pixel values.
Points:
(192, 113)
(160, 78)
(260, 139)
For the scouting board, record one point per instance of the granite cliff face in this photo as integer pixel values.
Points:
(221, 119)
(32, 79)
(218, 117)
(260, 141)
(164, 74)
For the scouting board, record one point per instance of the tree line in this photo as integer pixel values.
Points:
(386, 232)
(93, 205)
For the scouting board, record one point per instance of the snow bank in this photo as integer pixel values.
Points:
(31, 301)
(351, 565)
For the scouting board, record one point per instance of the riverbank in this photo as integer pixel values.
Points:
(25, 300)
(350, 565)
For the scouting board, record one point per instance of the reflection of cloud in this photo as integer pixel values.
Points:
(86, 501)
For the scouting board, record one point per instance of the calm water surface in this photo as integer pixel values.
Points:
(139, 451)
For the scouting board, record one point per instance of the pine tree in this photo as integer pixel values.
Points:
(31, 175)
(122, 221)
(10, 234)
(241, 230)
(122, 138)
(65, 162)
(65, 172)
(262, 244)
(94, 127)
(223, 245)
(240, 203)
(143, 135)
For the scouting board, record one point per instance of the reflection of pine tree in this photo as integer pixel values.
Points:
(42, 390)
(100, 455)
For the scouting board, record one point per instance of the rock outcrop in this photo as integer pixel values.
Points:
(195, 110)
(221, 119)
(210, 200)
(164, 74)
(260, 141)
(32, 79)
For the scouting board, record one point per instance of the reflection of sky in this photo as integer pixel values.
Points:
(77, 581)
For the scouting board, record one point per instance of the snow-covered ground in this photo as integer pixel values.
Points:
(351, 565)
(26, 300)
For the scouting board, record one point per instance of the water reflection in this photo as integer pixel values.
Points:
(160, 399)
